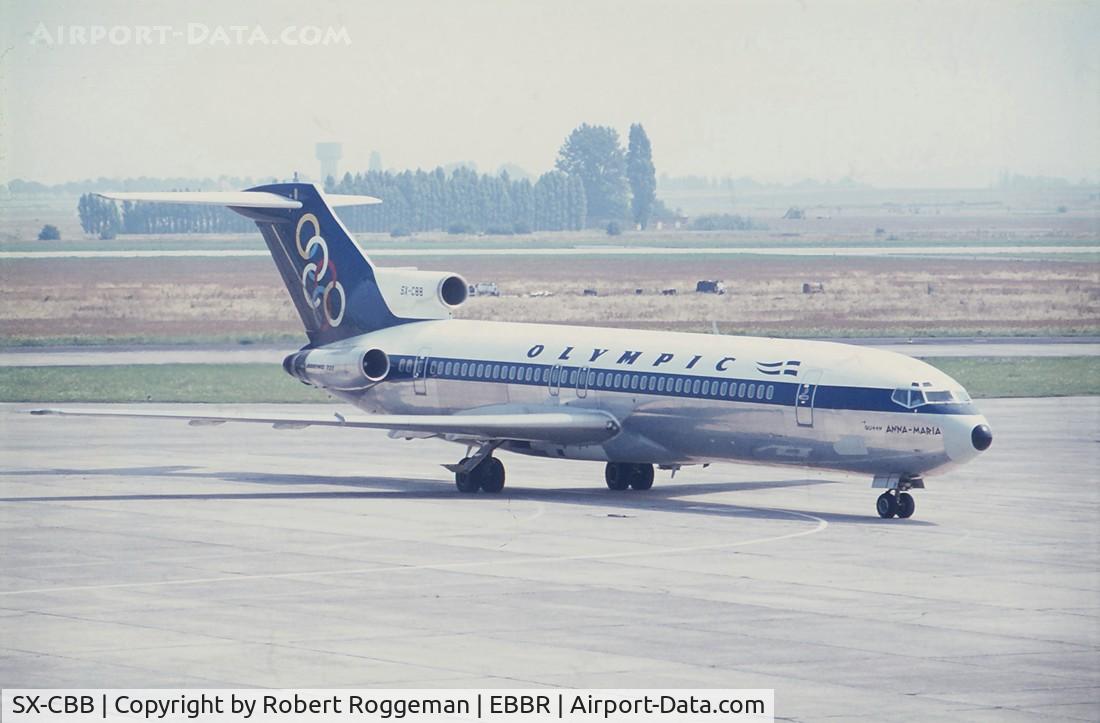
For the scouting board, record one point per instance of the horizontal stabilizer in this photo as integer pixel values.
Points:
(336, 200)
(238, 199)
(561, 426)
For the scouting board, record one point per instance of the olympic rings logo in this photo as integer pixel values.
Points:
(319, 285)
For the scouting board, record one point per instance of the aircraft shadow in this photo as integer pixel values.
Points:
(667, 497)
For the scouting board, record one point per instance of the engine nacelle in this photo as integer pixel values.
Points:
(344, 369)
(413, 294)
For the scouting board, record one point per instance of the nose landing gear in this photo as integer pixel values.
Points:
(896, 500)
(900, 504)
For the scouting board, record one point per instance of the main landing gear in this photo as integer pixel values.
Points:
(620, 475)
(487, 475)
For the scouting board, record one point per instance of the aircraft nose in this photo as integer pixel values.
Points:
(981, 437)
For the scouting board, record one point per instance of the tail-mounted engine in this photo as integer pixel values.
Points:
(344, 369)
(413, 294)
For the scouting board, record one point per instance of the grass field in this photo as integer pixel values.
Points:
(987, 377)
(252, 383)
(234, 300)
(212, 383)
(442, 242)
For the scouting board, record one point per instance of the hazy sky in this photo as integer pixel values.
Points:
(891, 93)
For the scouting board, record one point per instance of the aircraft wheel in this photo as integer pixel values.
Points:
(492, 475)
(906, 505)
(641, 476)
(467, 482)
(886, 505)
(617, 476)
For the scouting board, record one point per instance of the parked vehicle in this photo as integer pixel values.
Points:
(484, 288)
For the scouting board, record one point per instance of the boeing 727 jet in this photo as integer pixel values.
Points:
(383, 340)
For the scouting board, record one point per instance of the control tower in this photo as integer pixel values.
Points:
(329, 154)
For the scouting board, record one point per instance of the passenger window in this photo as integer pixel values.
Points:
(618, 383)
(463, 369)
(695, 386)
(447, 369)
(771, 390)
(722, 390)
(545, 375)
(706, 388)
(432, 369)
(760, 392)
(741, 390)
(652, 383)
(752, 391)
(573, 378)
(660, 384)
(679, 384)
(599, 379)
(511, 373)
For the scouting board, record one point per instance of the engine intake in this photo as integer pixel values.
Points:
(343, 369)
(453, 290)
(413, 294)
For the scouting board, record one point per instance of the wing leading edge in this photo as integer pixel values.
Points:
(562, 426)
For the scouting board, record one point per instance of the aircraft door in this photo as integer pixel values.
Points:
(804, 398)
(555, 380)
(582, 383)
(420, 373)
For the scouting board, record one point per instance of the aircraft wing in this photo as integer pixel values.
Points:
(560, 426)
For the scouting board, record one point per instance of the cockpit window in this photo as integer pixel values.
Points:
(909, 397)
(916, 396)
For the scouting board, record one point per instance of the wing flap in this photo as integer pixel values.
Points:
(561, 426)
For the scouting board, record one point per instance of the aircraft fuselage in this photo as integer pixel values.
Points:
(683, 398)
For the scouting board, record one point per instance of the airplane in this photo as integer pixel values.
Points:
(384, 340)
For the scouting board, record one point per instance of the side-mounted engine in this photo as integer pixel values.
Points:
(413, 294)
(346, 369)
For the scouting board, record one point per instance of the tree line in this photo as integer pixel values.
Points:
(595, 182)
(464, 201)
(103, 218)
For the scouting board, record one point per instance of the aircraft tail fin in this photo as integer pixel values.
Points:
(332, 283)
